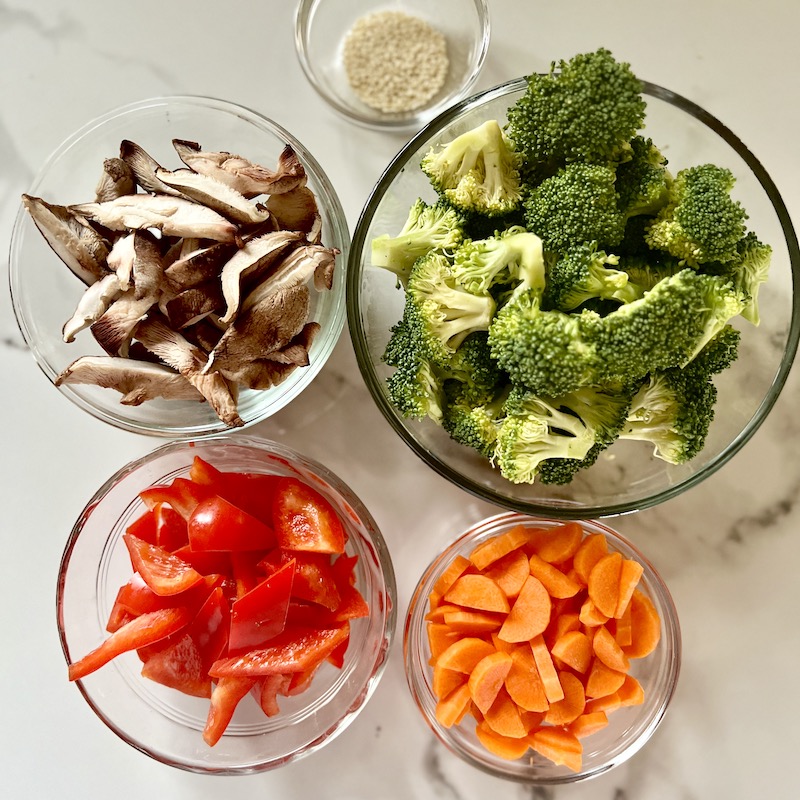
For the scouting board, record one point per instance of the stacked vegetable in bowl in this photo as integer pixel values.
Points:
(569, 287)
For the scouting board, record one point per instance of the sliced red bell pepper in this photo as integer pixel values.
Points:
(182, 494)
(295, 650)
(216, 524)
(260, 615)
(305, 520)
(246, 570)
(352, 603)
(163, 572)
(252, 492)
(184, 664)
(313, 579)
(144, 527)
(139, 632)
(336, 656)
(266, 691)
(171, 531)
(224, 699)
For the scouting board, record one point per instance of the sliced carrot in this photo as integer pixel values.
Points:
(645, 626)
(571, 706)
(556, 545)
(451, 709)
(553, 579)
(454, 571)
(608, 651)
(487, 678)
(509, 572)
(477, 591)
(531, 719)
(623, 632)
(502, 746)
(547, 670)
(574, 649)
(629, 576)
(464, 654)
(499, 644)
(446, 680)
(468, 622)
(503, 717)
(523, 683)
(591, 550)
(607, 704)
(561, 623)
(590, 615)
(559, 745)
(604, 583)
(440, 637)
(602, 680)
(631, 692)
(491, 550)
(530, 614)
(587, 724)
(437, 614)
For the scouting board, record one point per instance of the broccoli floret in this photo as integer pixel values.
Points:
(586, 109)
(536, 429)
(701, 221)
(475, 424)
(721, 351)
(474, 369)
(667, 327)
(576, 205)
(748, 270)
(427, 228)
(414, 388)
(645, 271)
(477, 172)
(514, 256)
(583, 273)
(443, 311)
(550, 352)
(643, 182)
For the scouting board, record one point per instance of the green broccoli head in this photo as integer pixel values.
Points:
(646, 270)
(514, 256)
(550, 352)
(701, 222)
(576, 205)
(643, 182)
(534, 430)
(471, 423)
(584, 110)
(443, 311)
(477, 172)
(474, 369)
(427, 228)
(583, 273)
(748, 270)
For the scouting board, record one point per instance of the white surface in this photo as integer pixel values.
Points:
(728, 549)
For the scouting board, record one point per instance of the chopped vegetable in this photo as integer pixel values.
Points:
(235, 609)
(544, 671)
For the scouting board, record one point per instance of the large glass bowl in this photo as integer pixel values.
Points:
(166, 724)
(45, 293)
(629, 728)
(627, 476)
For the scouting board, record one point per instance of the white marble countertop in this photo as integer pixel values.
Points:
(728, 548)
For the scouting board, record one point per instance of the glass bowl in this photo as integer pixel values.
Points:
(166, 724)
(320, 32)
(45, 293)
(627, 476)
(629, 727)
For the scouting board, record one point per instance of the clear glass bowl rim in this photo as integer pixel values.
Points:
(329, 336)
(374, 384)
(411, 120)
(494, 525)
(280, 451)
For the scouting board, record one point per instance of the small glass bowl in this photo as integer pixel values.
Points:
(320, 31)
(165, 724)
(627, 476)
(628, 729)
(45, 293)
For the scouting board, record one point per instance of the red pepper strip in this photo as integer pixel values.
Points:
(144, 527)
(292, 651)
(216, 524)
(184, 664)
(267, 689)
(305, 520)
(182, 494)
(260, 615)
(171, 531)
(314, 579)
(224, 699)
(137, 633)
(163, 572)
(353, 604)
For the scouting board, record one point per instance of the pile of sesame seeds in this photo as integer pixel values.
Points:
(395, 62)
